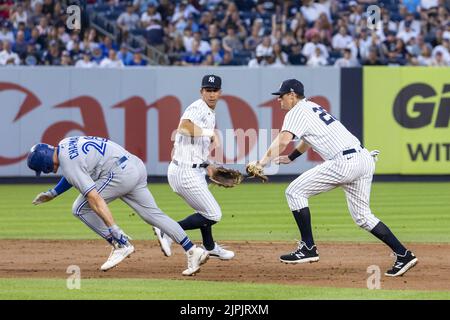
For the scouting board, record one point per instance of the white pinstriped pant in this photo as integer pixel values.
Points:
(352, 172)
(190, 184)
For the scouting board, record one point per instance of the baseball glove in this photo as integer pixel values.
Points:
(227, 178)
(255, 170)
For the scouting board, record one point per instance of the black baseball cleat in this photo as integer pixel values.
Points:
(402, 264)
(303, 254)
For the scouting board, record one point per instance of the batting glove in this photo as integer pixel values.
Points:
(44, 197)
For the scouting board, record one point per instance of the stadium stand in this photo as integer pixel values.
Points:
(255, 33)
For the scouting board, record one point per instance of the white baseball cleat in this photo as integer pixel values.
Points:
(164, 240)
(196, 257)
(117, 255)
(221, 253)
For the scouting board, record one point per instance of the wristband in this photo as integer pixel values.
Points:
(208, 132)
(294, 155)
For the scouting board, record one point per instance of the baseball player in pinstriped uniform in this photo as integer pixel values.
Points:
(103, 171)
(347, 164)
(186, 173)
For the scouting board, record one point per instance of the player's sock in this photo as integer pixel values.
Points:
(382, 232)
(303, 219)
(208, 241)
(186, 243)
(195, 221)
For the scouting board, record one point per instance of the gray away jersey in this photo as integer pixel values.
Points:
(325, 134)
(85, 159)
(195, 149)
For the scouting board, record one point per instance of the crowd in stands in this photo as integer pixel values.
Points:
(256, 33)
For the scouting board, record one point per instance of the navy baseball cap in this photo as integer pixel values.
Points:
(212, 81)
(290, 85)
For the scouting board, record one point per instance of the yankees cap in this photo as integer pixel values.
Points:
(290, 85)
(211, 81)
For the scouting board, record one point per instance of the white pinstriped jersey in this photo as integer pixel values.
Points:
(324, 133)
(189, 149)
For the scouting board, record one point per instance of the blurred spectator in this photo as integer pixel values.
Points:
(142, 5)
(204, 46)
(149, 15)
(410, 20)
(125, 55)
(216, 51)
(32, 57)
(7, 56)
(137, 60)
(52, 57)
(407, 33)
(311, 10)
(429, 4)
(341, 40)
(317, 58)
(128, 20)
(208, 61)
(20, 46)
(194, 57)
(346, 60)
(444, 49)
(389, 48)
(264, 48)
(253, 40)
(227, 59)
(37, 14)
(5, 8)
(48, 8)
(231, 42)
(296, 57)
(107, 44)
(112, 61)
(76, 53)
(6, 32)
(310, 48)
(438, 60)
(373, 59)
(425, 58)
(86, 61)
(63, 36)
(97, 54)
(19, 15)
(258, 61)
(155, 35)
(412, 6)
(66, 60)
(281, 58)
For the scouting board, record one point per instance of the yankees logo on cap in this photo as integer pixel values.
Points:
(290, 85)
(212, 81)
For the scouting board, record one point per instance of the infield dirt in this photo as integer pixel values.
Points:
(341, 265)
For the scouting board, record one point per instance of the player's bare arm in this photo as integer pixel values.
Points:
(277, 147)
(98, 204)
(188, 128)
(301, 148)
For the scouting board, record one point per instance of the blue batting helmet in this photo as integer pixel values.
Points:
(40, 158)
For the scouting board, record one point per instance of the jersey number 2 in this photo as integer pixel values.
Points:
(99, 145)
(323, 115)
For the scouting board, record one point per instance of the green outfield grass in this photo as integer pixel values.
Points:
(196, 290)
(416, 212)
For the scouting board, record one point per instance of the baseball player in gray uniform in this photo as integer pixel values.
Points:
(103, 171)
(347, 164)
(186, 173)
